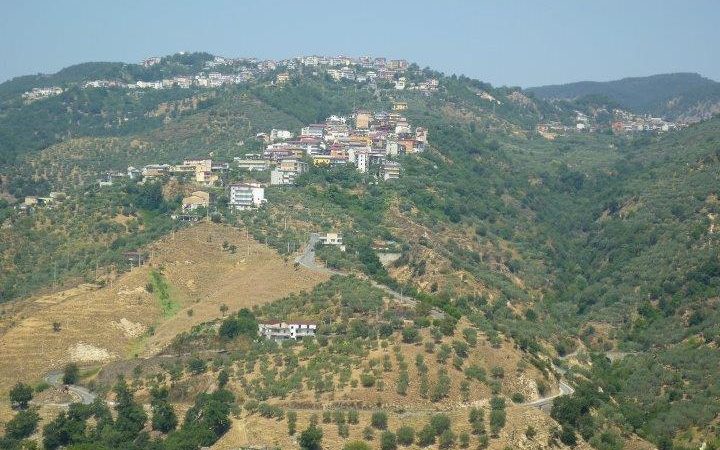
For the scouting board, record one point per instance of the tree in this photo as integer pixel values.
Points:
(405, 435)
(224, 309)
(388, 440)
(379, 420)
(22, 425)
(292, 422)
(131, 417)
(20, 395)
(71, 374)
(163, 417)
(311, 438)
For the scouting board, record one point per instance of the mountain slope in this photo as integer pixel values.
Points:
(682, 96)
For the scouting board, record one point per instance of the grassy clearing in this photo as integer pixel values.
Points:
(161, 290)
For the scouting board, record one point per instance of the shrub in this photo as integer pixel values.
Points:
(517, 397)
(357, 445)
(353, 416)
(388, 441)
(196, 366)
(426, 436)
(311, 438)
(379, 420)
(405, 435)
(367, 379)
(447, 439)
(410, 335)
(440, 423)
(71, 374)
(292, 422)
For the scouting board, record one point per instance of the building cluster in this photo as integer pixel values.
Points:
(227, 71)
(367, 140)
(41, 93)
(622, 122)
(626, 122)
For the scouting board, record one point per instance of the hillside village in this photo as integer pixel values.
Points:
(368, 141)
(222, 71)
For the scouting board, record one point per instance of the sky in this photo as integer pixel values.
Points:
(504, 42)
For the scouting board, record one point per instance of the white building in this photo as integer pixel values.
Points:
(280, 331)
(362, 162)
(246, 196)
(390, 170)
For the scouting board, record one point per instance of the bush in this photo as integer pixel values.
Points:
(357, 445)
(426, 436)
(292, 422)
(71, 374)
(440, 423)
(388, 441)
(367, 379)
(405, 435)
(447, 439)
(379, 420)
(410, 335)
(517, 397)
(353, 416)
(311, 438)
(196, 366)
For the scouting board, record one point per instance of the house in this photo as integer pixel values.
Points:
(252, 164)
(276, 135)
(282, 78)
(399, 106)
(196, 200)
(246, 196)
(331, 239)
(133, 173)
(390, 170)
(280, 331)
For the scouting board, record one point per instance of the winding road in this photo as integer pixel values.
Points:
(307, 260)
(84, 395)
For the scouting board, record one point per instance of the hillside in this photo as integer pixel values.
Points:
(589, 258)
(687, 97)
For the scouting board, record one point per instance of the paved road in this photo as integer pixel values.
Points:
(84, 395)
(307, 260)
(545, 403)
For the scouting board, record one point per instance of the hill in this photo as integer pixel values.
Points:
(589, 257)
(686, 97)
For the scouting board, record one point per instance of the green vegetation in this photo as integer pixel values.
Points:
(161, 291)
(609, 241)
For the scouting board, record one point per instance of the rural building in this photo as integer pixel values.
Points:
(196, 200)
(280, 331)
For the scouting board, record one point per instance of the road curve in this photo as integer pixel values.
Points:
(86, 396)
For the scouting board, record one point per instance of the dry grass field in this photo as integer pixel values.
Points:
(99, 324)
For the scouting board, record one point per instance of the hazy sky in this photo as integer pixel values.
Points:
(510, 42)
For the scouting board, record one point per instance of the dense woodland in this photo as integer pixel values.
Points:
(607, 240)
